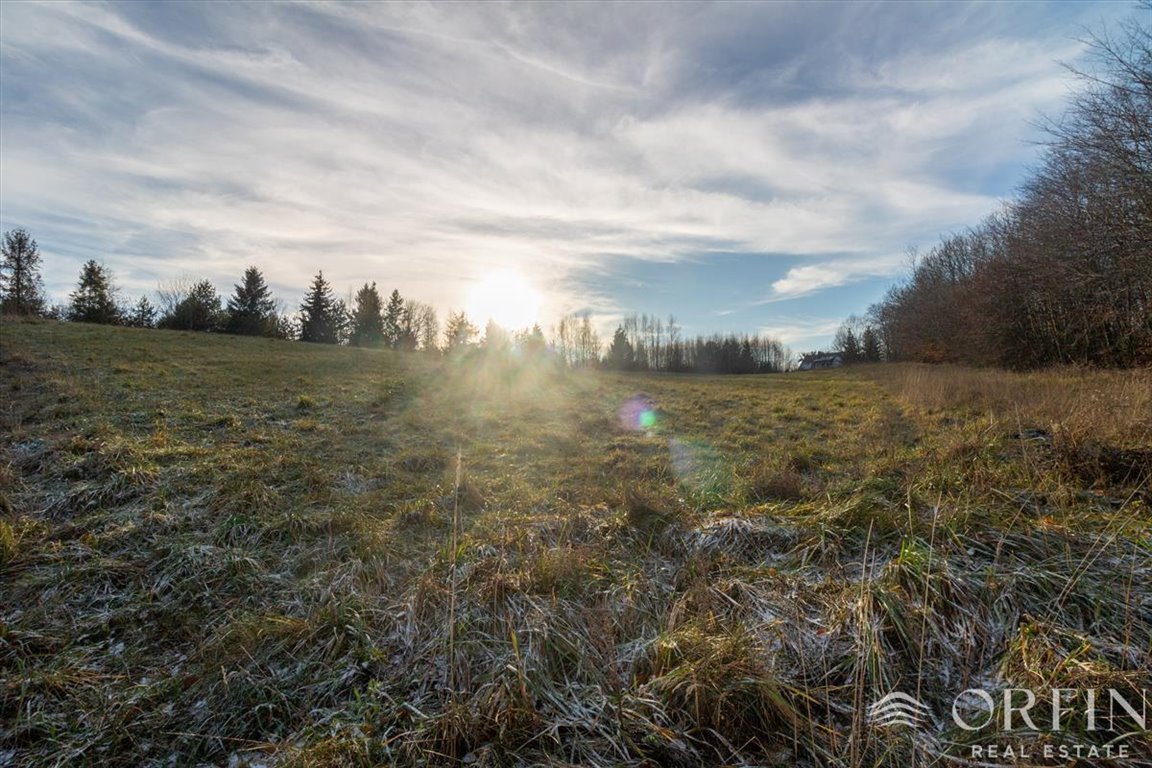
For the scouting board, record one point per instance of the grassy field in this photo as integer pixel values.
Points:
(244, 552)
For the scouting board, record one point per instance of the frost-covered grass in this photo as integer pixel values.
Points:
(239, 551)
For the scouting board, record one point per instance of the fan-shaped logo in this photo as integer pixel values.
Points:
(898, 708)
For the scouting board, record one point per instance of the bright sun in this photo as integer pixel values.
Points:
(506, 298)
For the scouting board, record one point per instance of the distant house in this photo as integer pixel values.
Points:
(817, 360)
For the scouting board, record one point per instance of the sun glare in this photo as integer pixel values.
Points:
(505, 298)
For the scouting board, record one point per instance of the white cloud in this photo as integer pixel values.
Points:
(812, 278)
(804, 280)
(801, 333)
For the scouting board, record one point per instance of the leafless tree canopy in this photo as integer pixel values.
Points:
(1064, 273)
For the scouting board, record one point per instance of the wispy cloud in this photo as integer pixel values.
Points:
(800, 281)
(423, 146)
(812, 278)
(802, 333)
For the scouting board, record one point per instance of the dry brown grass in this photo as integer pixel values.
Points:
(195, 574)
(1106, 406)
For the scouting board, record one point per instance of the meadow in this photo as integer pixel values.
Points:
(246, 552)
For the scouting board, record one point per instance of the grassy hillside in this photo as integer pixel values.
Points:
(248, 552)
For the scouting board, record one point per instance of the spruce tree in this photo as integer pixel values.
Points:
(322, 318)
(94, 299)
(850, 347)
(620, 355)
(141, 315)
(871, 344)
(367, 322)
(747, 361)
(458, 332)
(394, 320)
(533, 343)
(21, 289)
(251, 308)
(495, 338)
(341, 320)
(200, 310)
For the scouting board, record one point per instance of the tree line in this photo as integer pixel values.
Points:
(648, 343)
(1063, 273)
(641, 343)
(251, 310)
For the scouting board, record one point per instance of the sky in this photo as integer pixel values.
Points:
(749, 167)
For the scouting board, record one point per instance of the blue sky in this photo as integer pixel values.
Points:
(746, 167)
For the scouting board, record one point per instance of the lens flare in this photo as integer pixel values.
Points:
(638, 413)
(698, 467)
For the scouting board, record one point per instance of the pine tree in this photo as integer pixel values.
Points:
(533, 343)
(620, 355)
(367, 322)
(141, 315)
(323, 318)
(251, 308)
(850, 347)
(458, 332)
(394, 320)
(200, 310)
(341, 320)
(871, 344)
(747, 361)
(496, 339)
(283, 326)
(21, 289)
(94, 299)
